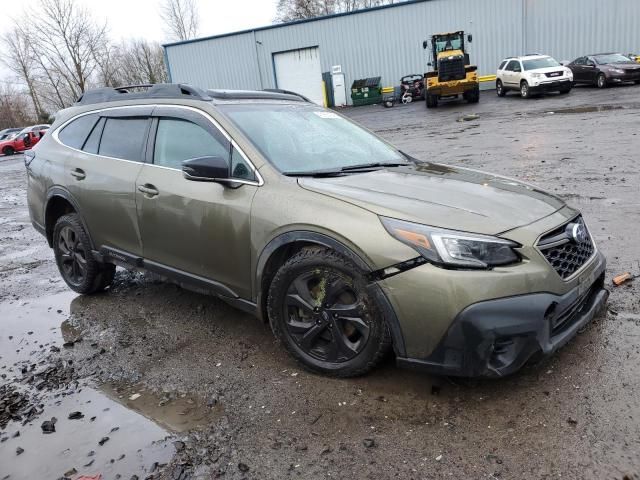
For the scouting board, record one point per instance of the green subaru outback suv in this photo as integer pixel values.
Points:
(347, 246)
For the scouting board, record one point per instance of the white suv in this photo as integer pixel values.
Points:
(532, 74)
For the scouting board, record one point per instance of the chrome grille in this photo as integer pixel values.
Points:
(568, 247)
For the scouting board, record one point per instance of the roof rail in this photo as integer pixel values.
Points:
(158, 90)
(288, 92)
(267, 94)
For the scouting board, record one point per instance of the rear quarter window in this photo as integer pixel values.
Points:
(75, 133)
(501, 67)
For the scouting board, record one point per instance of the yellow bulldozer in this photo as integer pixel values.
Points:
(452, 74)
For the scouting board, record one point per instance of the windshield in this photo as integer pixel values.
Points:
(611, 58)
(448, 42)
(305, 138)
(535, 63)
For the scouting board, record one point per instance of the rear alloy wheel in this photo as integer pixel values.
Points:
(321, 311)
(601, 81)
(524, 89)
(500, 90)
(72, 249)
(8, 150)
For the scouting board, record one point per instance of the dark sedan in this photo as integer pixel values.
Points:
(605, 69)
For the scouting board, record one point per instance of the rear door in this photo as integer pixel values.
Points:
(196, 230)
(101, 172)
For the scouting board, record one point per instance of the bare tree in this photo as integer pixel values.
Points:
(180, 18)
(14, 107)
(289, 10)
(133, 62)
(20, 59)
(67, 40)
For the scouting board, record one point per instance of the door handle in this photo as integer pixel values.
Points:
(78, 173)
(148, 189)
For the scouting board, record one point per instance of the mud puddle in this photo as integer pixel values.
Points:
(591, 109)
(121, 429)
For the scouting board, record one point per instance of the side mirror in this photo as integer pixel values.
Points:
(425, 44)
(206, 169)
(469, 38)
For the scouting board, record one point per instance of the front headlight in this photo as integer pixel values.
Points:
(537, 75)
(616, 70)
(452, 248)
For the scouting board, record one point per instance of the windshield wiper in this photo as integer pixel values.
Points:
(332, 172)
(367, 166)
(315, 173)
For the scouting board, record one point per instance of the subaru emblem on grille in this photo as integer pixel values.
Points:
(578, 232)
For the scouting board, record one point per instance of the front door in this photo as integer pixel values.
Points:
(196, 230)
(102, 171)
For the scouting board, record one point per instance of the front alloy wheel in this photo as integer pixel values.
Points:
(320, 309)
(524, 89)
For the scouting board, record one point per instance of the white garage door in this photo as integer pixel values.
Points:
(299, 71)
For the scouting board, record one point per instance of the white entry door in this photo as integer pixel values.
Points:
(299, 71)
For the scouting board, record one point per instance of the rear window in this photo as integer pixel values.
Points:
(123, 138)
(502, 65)
(76, 132)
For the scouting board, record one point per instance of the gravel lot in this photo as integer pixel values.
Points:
(183, 386)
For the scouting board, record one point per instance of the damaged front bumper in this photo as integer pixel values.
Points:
(497, 337)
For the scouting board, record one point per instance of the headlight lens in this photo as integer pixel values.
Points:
(536, 75)
(453, 248)
(616, 70)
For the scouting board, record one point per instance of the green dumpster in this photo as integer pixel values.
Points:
(366, 91)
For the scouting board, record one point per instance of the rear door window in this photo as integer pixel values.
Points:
(124, 138)
(76, 132)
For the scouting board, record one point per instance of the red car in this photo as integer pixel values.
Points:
(24, 140)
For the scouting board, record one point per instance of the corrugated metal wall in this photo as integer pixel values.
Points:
(388, 42)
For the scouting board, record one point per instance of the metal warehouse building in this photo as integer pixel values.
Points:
(387, 42)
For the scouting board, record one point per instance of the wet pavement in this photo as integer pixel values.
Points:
(203, 388)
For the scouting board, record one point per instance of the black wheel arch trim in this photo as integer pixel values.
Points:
(329, 242)
(58, 191)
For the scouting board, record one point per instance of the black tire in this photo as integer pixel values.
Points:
(500, 90)
(8, 150)
(472, 96)
(637, 82)
(525, 91)
(432, 101)
(601, 81)
(308, 303)
(72, 250)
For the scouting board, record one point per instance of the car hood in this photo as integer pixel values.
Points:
(560, 68)
(622, 66)
(441, 196)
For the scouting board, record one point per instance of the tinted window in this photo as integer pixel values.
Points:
(580, 61)
(123, 138)
(179, 140)
(512, 66)
(91, 145)
(502, 65)
(76, 132)
(240, 168)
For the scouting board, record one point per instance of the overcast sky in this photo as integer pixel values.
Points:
(140, 18)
